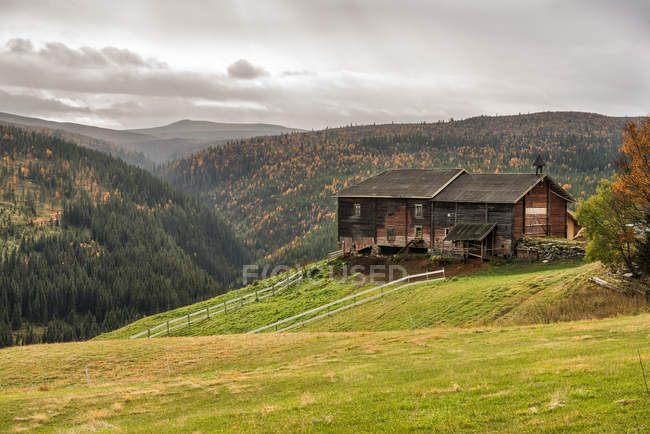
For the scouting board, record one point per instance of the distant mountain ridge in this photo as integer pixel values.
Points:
(207, 130)
(157, 144)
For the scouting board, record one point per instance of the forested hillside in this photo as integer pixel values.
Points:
(89, 243)
(51, 128)
(278, 190)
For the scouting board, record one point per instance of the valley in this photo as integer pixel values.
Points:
(90, 243)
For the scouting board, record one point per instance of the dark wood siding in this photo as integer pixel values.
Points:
(536, 210)
(518, 221)
(377, 216)
(444, 218)
(424, 222)
(545, 212)
(502, 215)
(447, 214)
(357, 231)
(558, 216)
(391, 213)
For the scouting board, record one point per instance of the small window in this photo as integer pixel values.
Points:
(357, 209)
(418, 232)
(446, 231)
(418, 210)
(390, 233)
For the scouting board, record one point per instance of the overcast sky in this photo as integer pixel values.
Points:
(313, 64)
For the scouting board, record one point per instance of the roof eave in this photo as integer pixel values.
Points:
(362, 196)
(481, 238)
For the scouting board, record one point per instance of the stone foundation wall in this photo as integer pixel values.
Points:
(543, 249)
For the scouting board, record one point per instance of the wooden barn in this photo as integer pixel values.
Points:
(472, 214)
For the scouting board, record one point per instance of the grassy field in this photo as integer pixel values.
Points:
(505, 295)
(524, 293)
(581, 376)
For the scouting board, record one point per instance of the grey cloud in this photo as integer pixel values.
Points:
(59, 54)
(245, 70)
(116, 71)
(134, 82)
(20, 45)
(34, 104)
(297, 73)
(121, 56)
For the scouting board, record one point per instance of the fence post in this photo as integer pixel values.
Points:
(167, 328)
(148, 333)
(188, 319)
(225, 309)
(207, 311)
(256, 296)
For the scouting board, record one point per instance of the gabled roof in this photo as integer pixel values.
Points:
(470, 231)
(404, 183)
(495, 188)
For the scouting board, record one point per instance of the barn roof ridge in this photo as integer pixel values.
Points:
(450, 185)
(417, 183)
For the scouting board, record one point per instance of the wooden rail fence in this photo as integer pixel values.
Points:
(217, 309)
(354, 299)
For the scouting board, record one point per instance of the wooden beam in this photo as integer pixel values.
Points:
(374, 221)
(548, 209)
(406, 222)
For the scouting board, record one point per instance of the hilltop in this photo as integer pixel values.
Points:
(207, 132)
(278, 190)
(90, 243)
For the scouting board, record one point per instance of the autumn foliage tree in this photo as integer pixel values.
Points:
(634, 183)
(617, 218)
(607, 218)
(634, 166)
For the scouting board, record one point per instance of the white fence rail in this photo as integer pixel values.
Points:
(221, 308)
(355, 302)
(335, 254)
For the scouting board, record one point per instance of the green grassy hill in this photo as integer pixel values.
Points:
(579, 377)
(505, 294)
